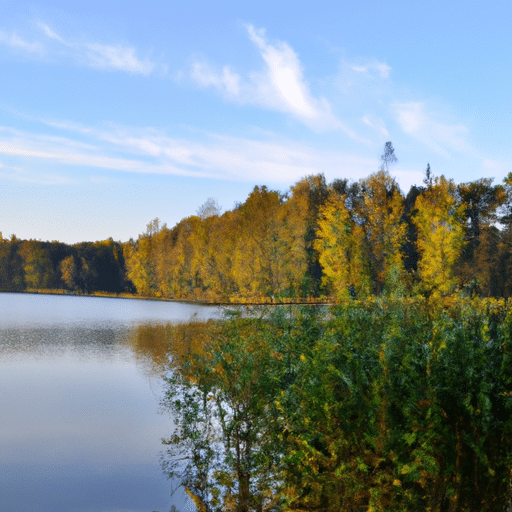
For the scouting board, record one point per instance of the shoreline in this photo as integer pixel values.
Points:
(248, 302)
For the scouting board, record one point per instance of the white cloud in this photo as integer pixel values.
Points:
(284, 75)
(37, 179)
(17, 173)
(363, 81)
(238, 158)
(269, 159)
(28, 147)
(49, 32)
(149, 151)
(117, 57)
(442, 138)
(227, 82)
(373, 68)
(279, 86)
(17, 43)
(65, 125)
(377, 124)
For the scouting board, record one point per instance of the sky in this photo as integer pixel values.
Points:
(116, 113)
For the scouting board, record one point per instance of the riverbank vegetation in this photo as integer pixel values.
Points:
(375, 405)
(318, 241)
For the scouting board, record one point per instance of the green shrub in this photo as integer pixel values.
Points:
(381, 405)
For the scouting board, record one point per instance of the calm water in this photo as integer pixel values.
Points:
(79, 422)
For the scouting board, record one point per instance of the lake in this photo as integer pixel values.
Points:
(80, 428)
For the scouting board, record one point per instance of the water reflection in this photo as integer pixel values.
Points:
(79, 422)
(156, 344)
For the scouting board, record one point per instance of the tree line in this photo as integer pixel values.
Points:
(337, 240)
(319, 239)
(86, 267)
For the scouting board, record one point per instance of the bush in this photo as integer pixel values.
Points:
(377, 405)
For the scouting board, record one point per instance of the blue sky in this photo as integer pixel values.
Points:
(114, 113)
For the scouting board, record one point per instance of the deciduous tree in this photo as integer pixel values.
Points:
(439, 220)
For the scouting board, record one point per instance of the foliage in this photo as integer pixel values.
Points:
(221, 447)
(12, 276)
(380, 405)
(477, 267)
(440, 235)
(360, 237)
(337, 240)
(85, 267)
(341, 250)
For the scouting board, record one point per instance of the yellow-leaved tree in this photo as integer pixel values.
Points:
(439, 220)
(381, 211)
(308, 195)
(260, 249)
(361, 235)
(140, 264)
(340, 248)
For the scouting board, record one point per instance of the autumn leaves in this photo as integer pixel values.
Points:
(336, 241)
(360, 238)
(362, 235)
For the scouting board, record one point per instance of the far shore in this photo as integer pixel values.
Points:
(242, 302)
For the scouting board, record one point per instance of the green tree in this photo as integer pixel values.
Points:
(476, 268)
(210, 208)
(504, 267)
(308, 196)
(392, 406)
(12, 275)
(381, 217)
(140, 260)
(388, 156)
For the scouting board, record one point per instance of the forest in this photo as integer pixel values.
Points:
(316, 241)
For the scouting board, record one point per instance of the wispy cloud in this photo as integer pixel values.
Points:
(377, 124)
(147, 150)
(15, 42)
(227, 81)
(280, 85)
(118, 57)
(50, 33)
(414, 120)
(284, 78)
(48, 42)
(62, 152)
(363, 79)
(372, 68)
